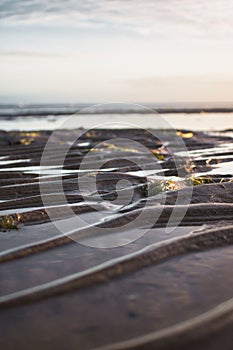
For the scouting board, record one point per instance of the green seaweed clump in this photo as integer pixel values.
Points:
(159, 186)
(197, 181)
(9, 222)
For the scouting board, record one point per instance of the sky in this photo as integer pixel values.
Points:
(116, 51)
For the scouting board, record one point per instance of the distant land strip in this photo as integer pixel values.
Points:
(35, 112)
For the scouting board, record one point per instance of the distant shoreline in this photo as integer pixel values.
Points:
(36, 112)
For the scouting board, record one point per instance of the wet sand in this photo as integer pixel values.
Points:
(148, 265)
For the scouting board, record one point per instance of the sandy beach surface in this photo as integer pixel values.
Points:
(116, 238)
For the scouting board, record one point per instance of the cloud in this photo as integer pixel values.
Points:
(182, 88)
(169, 18)
(201, 79)
(17, 54)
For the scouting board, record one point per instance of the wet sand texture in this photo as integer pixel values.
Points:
(167, 289)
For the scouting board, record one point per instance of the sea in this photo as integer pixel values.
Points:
(28, 117)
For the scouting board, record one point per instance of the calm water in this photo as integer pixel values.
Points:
(193, 121)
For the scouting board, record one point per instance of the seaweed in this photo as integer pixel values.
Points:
(159, 186)
(9, 222)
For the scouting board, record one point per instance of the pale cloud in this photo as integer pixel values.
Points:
(17, 54)
(192, 88)
(196, 19)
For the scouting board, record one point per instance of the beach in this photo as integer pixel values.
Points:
(116, 226)
(116, 175)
